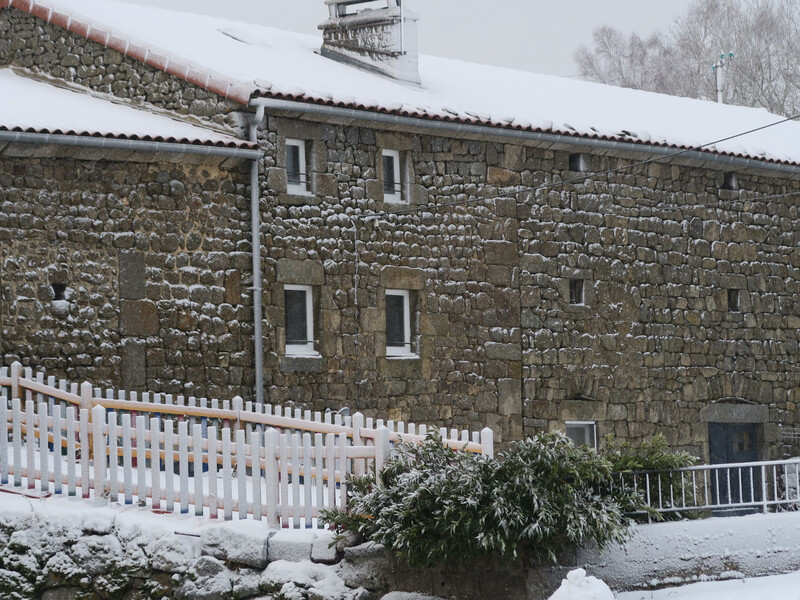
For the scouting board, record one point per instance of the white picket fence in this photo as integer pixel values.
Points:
(191, 455)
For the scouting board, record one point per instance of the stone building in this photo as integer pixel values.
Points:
(434, 241)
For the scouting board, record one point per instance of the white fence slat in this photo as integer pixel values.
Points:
(359, 465)
(4, 441)
(344, 470)
(71, 462)
(283, 457)
(16, 432)
(44, 452)
(319, 480)
(183, 465)
(85, 451)
(213, 504)
(127, 459)
(58, 438)
(197, 449)
(330, 447)
(113, 457)
(30, 444)
(308, 479)
(241, 473)
(141, 461)
(169, 465)
(295, 441)
(227, 485)
(155, 463)
(255, 472)
(271, 475)
(99, 454)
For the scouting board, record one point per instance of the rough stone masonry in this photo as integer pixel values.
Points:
(690, 296)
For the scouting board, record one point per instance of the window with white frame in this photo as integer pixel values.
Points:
(398, 323)
(296, 176)
(392, 179)
(299, 320)
(582, 433)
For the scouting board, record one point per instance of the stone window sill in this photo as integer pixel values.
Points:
(302, 363)
(298, 199)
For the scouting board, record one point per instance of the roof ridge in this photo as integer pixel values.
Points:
(213, 81)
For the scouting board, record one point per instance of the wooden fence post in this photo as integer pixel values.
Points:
(86, 404)
(237, 405)
(487, 442)
(16, 371)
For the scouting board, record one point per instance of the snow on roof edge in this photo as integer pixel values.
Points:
(243, 92)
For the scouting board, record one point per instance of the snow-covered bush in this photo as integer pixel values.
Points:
(651, 456)
(432, 504)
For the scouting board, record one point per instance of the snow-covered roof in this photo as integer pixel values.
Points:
(240, 60)
(33, 106)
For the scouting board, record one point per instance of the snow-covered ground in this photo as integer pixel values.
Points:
(774, 587)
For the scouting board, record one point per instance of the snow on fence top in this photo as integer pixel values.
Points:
(238, 60)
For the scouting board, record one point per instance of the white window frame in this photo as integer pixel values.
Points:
(405, 350)
(592, 424)
(397, 196)
(306, 349)
(302, 187)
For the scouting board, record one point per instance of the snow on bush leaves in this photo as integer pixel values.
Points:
(433, 504)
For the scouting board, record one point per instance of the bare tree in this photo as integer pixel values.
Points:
(763, 34)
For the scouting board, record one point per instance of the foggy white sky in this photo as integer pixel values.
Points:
(533, 35)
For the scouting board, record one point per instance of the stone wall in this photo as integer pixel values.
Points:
(127, 274)
(654, 347)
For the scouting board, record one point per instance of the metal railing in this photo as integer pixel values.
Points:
(733, 488)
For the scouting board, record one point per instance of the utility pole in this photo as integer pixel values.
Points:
(719, 69)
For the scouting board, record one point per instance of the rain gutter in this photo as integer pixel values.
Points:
(255, 227)
(22, 137)
(588, 144)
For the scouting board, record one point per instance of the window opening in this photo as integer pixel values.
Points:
(398, 323)
(392, 185)
(299, 315)
(296, 178)
(582, 433)
(576, 291)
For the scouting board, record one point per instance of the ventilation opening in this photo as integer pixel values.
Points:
(580, 162)
(576, 291)
(733, 300)
(730, 182)
(59, 289)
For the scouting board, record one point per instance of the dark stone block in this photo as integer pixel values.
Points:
(133, 369)
(138, 317)
(131, 275)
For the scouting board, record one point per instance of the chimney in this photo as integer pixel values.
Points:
(380, 40)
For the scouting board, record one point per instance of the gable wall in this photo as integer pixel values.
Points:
(154, 269)
(45, 48)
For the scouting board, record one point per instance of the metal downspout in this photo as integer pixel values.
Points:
(255, 226)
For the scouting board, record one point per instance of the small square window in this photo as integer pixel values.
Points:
(398, 323)
(730, 181)
(296, 175)
(580, 162)
(733, 300)
(392, 179)
(576, 291)
(299, 320)
(582, 433)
